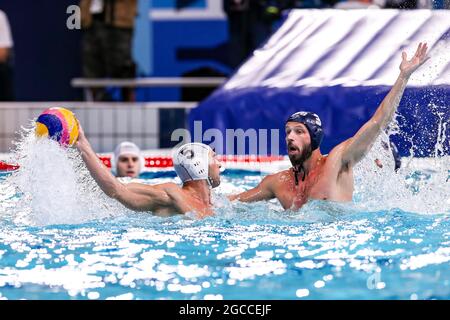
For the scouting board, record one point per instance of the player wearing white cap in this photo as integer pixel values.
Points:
(127, 160)
(196, 165)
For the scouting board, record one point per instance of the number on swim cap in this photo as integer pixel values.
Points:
(189, 154)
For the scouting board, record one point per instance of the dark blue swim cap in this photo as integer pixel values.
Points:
(312, 123)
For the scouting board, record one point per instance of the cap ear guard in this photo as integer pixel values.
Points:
(316, 134)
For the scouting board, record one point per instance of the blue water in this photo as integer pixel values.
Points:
(247, 251)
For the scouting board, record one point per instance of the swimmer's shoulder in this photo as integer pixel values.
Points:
(170, 194)
(174, 191)
(169, 187)
(177, 197)
(275, 179)
(339, 150)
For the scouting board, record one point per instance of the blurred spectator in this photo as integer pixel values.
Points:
(408, 4)
(6, 69)
(309, 4)
(107, 42)
(389, 4)
(400, 4)
(127, 160)
(250, 24)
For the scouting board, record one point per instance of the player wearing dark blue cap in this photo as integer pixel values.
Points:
(328, 177)
(314, 127)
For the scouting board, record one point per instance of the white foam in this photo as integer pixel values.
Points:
(419, 186)
(55, 185)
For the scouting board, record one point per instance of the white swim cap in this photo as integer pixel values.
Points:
(191, 162)
(129, 148)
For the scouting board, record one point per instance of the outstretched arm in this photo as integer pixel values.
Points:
(356, 147)
(261, 192)
(134, 196)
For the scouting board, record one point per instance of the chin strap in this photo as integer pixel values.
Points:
(297, 170)
(210, 182)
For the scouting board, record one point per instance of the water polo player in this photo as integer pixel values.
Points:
(315, 176)
(127, 160)
(195, 164)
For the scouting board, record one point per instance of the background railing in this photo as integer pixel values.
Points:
(108, 123)
(155, 82)
(105, 124)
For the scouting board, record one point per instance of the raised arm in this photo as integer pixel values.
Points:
(263, 191)
(138, 197)
(356, 147)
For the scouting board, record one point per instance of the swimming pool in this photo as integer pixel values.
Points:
(326, 250)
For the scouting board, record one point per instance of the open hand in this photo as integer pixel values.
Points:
(407, 67)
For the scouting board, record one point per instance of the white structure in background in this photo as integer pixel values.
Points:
(213, 11)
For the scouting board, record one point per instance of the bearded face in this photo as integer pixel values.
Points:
(301, 155)
(298, 143)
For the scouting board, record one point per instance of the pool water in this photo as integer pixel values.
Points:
(247, 251)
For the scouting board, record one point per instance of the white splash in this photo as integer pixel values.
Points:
(421, 185)
(55, 185)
